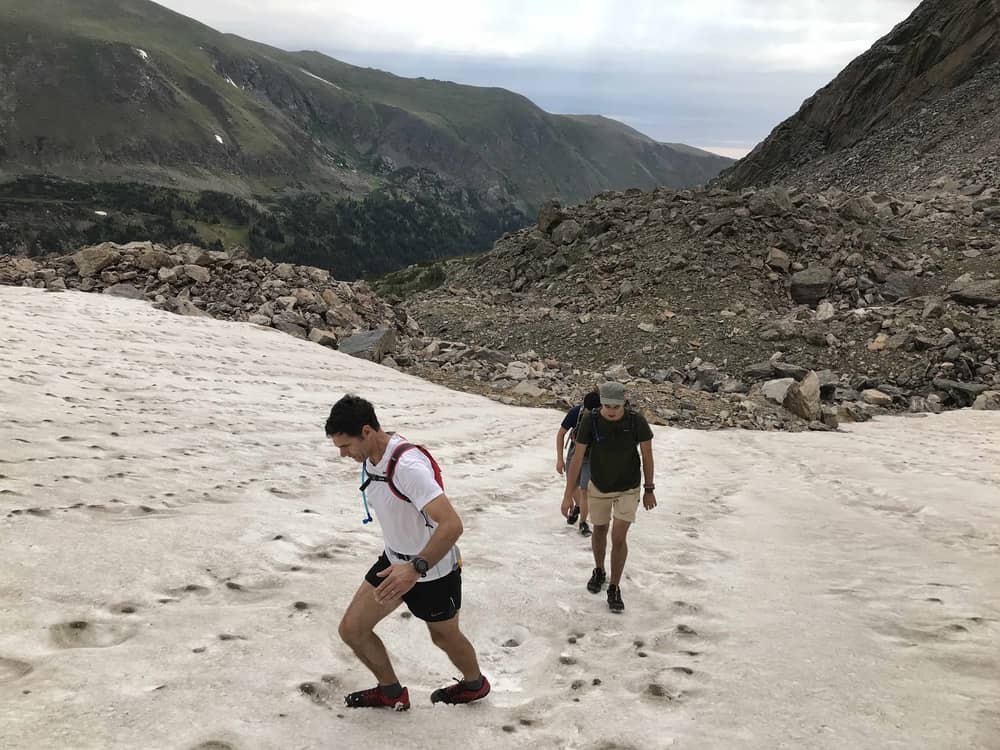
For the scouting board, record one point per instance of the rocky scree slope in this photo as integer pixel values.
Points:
(893, 299)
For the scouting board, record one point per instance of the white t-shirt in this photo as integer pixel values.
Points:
(406, 528)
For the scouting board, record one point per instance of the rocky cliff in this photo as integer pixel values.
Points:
(921, 106)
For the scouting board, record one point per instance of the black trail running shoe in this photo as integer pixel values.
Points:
(597, 579)
(615, 603)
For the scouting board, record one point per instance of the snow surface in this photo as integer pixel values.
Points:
(313, 75)
(142, 53)
(101, 213)
(167, 496)
(219, 138)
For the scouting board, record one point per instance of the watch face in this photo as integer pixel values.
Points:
(420, 564)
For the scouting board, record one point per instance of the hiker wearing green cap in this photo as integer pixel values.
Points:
(621, 459)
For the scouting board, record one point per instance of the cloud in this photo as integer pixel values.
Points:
(797, 35)
(722, 72)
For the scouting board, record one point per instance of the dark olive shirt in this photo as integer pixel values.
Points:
(614, 455)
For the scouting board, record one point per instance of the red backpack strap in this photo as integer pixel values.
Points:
(394, 459)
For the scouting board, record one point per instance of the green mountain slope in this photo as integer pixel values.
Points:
(128, 91)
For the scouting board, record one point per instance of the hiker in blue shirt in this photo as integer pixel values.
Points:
(571, 421)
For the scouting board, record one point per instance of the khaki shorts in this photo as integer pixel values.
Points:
(604, 505)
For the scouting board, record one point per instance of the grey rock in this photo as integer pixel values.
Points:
(550, 216)
(811, 285)
(324, 338)
(788, 370)
(197, 273)
(802, 398)
(778, 260)
(372, 345)
(567, 232)
(776, 390)
(759, 371)
(876, 397)
(859, 208)
(772, 201)
(125, 290)
(964, 393)
(731, 385)
(899, 285)
(987, 400)
(92, 260)
(979, 293)
(153, 259)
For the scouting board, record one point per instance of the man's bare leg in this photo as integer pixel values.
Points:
(619, 550)
(447, 637)
(599, 544)
(357, 631)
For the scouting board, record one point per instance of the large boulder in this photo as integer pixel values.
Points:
(978, 293)
(876, 397)
(987, 400)
(193, 255)
(550, 216)
(772, 201)
(92, 260)
(125, 290)
(963, 393)
(567, 232)
(811, 285)
(776, 390)
(859, 208)
(324, 338)
(802, 398)
(373, 345)
(153, 259)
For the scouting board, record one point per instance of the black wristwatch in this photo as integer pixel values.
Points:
(420, 565)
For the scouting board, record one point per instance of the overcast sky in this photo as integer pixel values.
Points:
(718, 74)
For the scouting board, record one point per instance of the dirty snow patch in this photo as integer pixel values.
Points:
(142, 53)
(231, 82)
(219, 138)
(313, 75)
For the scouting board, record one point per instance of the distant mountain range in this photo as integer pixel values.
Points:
(922, 105)
(112, 92)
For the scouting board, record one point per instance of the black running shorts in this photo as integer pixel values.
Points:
(430, 601)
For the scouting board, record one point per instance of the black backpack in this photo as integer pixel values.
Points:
(632, 427)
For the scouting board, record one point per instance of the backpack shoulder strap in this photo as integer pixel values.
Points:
(394, 460)
(594, 414)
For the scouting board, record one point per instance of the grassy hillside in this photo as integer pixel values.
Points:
(111, 91)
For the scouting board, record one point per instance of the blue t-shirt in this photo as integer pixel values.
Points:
(571, 418)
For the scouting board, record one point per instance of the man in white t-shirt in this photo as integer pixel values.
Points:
(420, 564)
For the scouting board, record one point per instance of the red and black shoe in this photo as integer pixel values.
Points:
(375, 698)
(460, 692)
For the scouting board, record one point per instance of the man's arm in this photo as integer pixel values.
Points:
(648, 495)
(401, 577)
(449, 529)
(560, 442)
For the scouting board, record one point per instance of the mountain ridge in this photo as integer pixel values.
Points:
(264, 102)
(919, 105)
